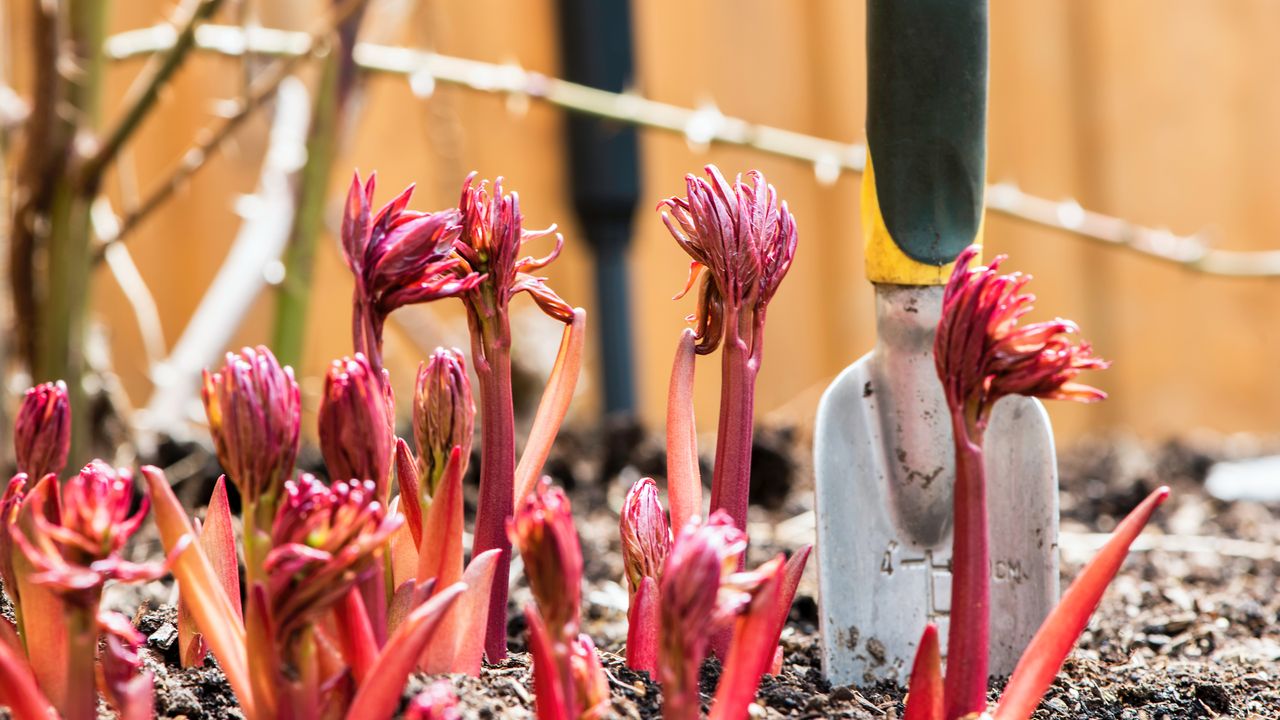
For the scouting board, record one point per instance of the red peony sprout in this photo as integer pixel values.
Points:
(490, 243)
(982, 355)
(443, 414)
(569, 681)
(42, 430)
(745, 240)
(398, 257)
(255, 413)
(357, 423)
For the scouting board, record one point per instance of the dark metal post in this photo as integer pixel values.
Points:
(595, 48)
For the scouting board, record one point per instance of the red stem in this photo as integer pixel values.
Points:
(966, 677)
(642, 628)
(491, 353)
(82, 646)
(731, 485)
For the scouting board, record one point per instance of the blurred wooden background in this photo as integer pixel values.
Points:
(1165, 112)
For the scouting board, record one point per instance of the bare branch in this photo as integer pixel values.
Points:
(210, 139)
(146, 89)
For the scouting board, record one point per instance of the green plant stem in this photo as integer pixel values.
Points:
(304, 691)
(58, 350)
(259, 641)
(299, 257)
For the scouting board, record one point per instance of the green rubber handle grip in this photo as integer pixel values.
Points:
(926, 122)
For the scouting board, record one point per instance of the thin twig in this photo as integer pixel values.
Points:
(707, 125)
(147, 87)
(210, 139)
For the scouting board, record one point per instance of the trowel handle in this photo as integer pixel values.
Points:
(922, 192)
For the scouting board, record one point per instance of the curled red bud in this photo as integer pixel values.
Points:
(491, 238)
(79, 549)
(255, 412)
(356, 422)
(646, 538)
(324, 541)
(742, 236)
(443, 415)
(983, 354)
(700, 595)
(542, 528)
(399, 257)
(42, 430)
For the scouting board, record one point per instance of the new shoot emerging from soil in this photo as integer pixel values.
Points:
(984, 354)
(745, 240)
(569, 681)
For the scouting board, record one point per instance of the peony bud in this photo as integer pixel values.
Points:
(700, 595)
(325, 540)
(542, 529)
(983, 354)
(741, 236)
(254, 412)
(443, 414)
(646, 538)
(399, 257)
(42, 430)
(492, 235)
(78, 551)
(357, 432)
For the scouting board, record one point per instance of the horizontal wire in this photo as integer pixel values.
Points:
(701, 127)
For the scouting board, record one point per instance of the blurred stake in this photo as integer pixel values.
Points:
(329, 116)
(595, 47)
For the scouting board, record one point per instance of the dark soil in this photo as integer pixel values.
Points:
(1189, 629)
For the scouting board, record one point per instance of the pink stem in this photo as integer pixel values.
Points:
(554, 405)
(356, 634)
(684, 482)
(642, 628)
(491, 352)
(967, 637)
(731, 485)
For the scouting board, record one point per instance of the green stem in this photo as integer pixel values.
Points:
(259, 640)
(59, 352)
(304, 691)
(299, 257)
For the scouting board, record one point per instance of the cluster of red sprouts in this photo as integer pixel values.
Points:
(352, 584)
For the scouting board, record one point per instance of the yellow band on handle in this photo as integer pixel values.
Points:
(885, 261)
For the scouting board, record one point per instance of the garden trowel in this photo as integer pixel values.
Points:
(882, 443)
